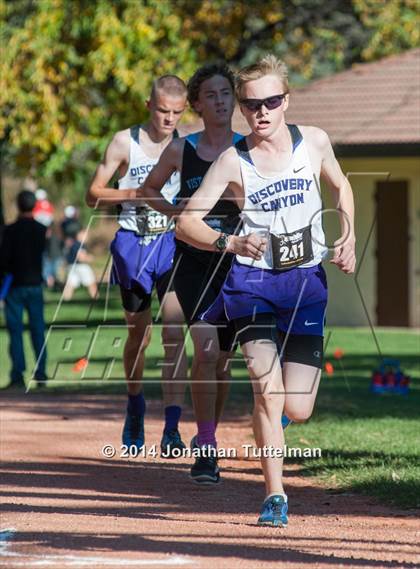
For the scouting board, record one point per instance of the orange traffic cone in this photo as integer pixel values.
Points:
(329, 368)
(80, 365)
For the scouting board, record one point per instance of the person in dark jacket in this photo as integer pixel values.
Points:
(21, 253)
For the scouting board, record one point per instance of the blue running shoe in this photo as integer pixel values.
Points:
(133, 431)
(274, 512)
(285, 421)
(171, 441)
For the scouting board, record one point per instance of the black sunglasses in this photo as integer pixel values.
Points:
(269, 103)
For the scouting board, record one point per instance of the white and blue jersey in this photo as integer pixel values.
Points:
(143, 248)
(139, 217)
(289, 281)
(286, 208)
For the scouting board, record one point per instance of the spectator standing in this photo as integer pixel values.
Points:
(21, 254)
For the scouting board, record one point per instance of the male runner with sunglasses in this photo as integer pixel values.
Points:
(199, 275)
(142, 252)
(276, 291)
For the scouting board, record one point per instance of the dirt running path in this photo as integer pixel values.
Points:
(65, 505)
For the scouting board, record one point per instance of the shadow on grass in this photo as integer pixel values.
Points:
(405, 494)
(379, 474)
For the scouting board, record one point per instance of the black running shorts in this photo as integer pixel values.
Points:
(197, 285)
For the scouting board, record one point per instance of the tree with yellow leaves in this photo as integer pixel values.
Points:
(73, 71)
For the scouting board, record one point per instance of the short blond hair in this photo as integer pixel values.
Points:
(268, 65)
(170, 85)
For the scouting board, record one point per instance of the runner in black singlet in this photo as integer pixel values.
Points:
(199, 276)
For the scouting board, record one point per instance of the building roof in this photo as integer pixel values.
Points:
(370, 104)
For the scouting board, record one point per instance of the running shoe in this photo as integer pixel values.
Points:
(205, 471)
(285, 421)
(171, 441)
(133, 431)
(274, 512)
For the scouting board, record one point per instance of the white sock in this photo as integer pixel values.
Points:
(276, 494)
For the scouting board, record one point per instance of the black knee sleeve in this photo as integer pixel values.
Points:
(135, 299)
(303, 349)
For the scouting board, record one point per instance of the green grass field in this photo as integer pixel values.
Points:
(370, 444)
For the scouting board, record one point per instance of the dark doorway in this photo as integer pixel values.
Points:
(392, 248)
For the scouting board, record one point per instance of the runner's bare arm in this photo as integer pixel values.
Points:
(116, 155)
(191, 228)
(344, 255)
(169, 162)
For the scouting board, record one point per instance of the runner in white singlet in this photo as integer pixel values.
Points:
(142, 253)
(276, 291)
